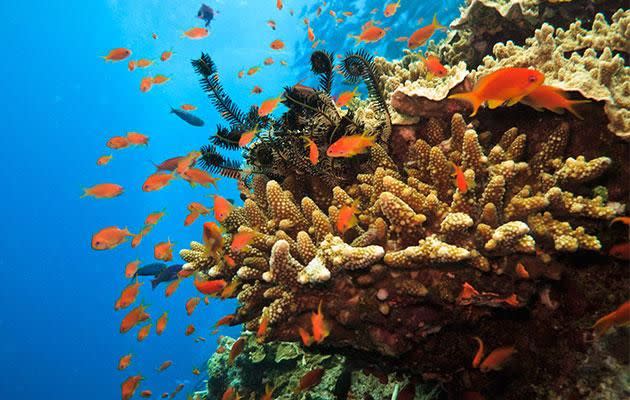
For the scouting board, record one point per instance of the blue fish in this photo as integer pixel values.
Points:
(206, 13)
(168, 274)
(188, 117)
(150, 269)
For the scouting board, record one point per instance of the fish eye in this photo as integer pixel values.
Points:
(532, 78)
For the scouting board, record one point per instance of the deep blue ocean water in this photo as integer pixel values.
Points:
(58, 330)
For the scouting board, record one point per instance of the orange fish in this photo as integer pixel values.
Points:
(146, 393)
(497, 358)
(172, 287)
(103, 160)
(191, 304)
(222, 208)
(321, 330)
(370, 34)
(262, 327)
(420, 37)
(268, 106)
(186, 162)
(143, 332)
(236, 349)
(198, 176)
(160, 326)
(188, 107)
(460, 179)
(310, 33)
(160, 79)
(103, 191)
(117, 54)
(137, 239)
(118, 142)
(268, 392)
(467, 293)
(210, 287)
(163, 251)
(129, 386)
(345, 97)
(480, 353)
(212, 237)
(196, 371)
(309, 380)
(157, 181)
(256, 90)
(619, 317)
(240, 74)
(401, 39)
(348, 13)
(154, 217)
(347, 218)
(307, 339)
(131, 268)
(230, 392)
(552, 99)
(268, 61)
(137, 138)
(313, 151)
(128, 296)
(191, 218)
(124, 362)
(247, 137)
(350, 146)
(279, 4)
(165, 365)
(144, 63)
(506, 85)
(170, 164)
(166, 55)
(190, 329)
(253, 70)
(391, 9)
(434, 67)
(146, 84)
(229, 290)
(241, 240)
(109, 238)
(277, 44)
(133, 318)
(224, 320)
(131, 65)
(196, 33)
(521, 272)
(332, 13)
(185, 273)
(272, 24)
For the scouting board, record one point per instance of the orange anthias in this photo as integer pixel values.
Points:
(143, 332)
(146, 84)
(307, 339)
(268, 106)
(138, 139)
(346, 219)
(117, 54)
(131, 65)
(109, 238)
(103, 191)
(619, 317)
(222, 208)
(212, 237)
(196, 33)
(252, 71)
(552, 99)
(467, 293)
(480, 353)
(124, 361)
(103, 160)
(198, 208)
(504, 86)
(497, 359)
(268, 61)
(165, 365)
(161, 323)
(191, 304)
(133, 318)
(236, 349)
(391, 9)
(144, 63)
(224, 320)
(262, 327)
(154, 217)
(118, 142)
(248, 136)
(350, 146)
(277, 44)
(321, 329)
(157, 181)
(163, 251)
(420, 37)
(434, 67)
(313, 151)
(240, 240)
(188, 107)
(370, 34)
(210, 287)
(186, 162)
(172, 287)
(230, 289)
(310, 379)
(128, 296)
(166, 55)
(460, 179)
(191, 218)
(345, 97)
(196, 176)
(146, 393)
(160, 79)
(129, 386)
(521, 271)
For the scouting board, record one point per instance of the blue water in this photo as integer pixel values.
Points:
(58, 331)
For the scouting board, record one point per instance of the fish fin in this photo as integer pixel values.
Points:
(430, 75)
(357, 38)
(573, 111)
(513, 101)
(493, 103)
(85, 193)
(436, 24)
(470, 97)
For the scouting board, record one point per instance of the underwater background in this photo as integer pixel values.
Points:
(58, 330)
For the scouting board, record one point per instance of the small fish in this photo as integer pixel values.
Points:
(347, 13)
(277, 44)
(172, 287)
(272, 24)
(332, 13)
(166, 55)
(420, 37)
(256, 90)
(268, 61)
(103, 191)
(133, 318)
(109, 238)
(268, 106)
(623, 220)
(163, 251)
(504, 86)
(212, 237)
(346, 218)
(146, 393)
(154, 36)
(146, 84)
(552, 99)
(224, 320)
(521, 272)
(240, 240)
(168, 274)
(128, 296)
(164, 366)
(137, 139)
(345, 97)
(309, 380)
(253, 70)
(371, 34)
(198, 208)
(279, 4)
(144, 63)
(350, 146)
(236, 349)
(321, 330)
(124, 362)
(497, 359)
(196, 371)
(318, 12)
(188, 117)
(222, 208)
(467, 293)
(154, 217)
(460, 179)
(241, 74)
(262, 327)
(157, 181)
(118, 142)
(191, 304)
(160, 79)
(391, 9)
(480, 353)
(210, 287)
(187, 162)
(230, 392)
(434, 67)
(206, 13)
(188, 107)
(152, 269)
(401, 39)
(247, 137)
(129, 386)
(619, 317)
(160, 326)
(230, 289)
(131, 65)
(313, 151)
(309, 32)
(196, 176)
(117, 54)
(196, 33)
(185, 273)
(307, 339)
(131, 269)
(103, 160)
(143, 332)
(191, 218)
(170, 164)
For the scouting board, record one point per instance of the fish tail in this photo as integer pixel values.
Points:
(470, 97)
(85, 193)
(357, 38)
(436, 24)
(572, 110)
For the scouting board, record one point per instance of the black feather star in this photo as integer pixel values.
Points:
(214, 162)
(322, 64)
(226, 138)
